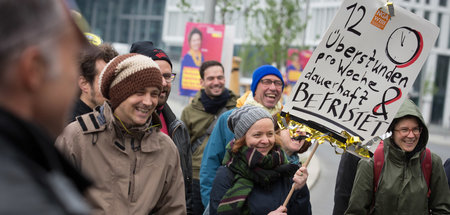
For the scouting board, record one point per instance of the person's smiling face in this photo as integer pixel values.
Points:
(406, 134)
(261, 136)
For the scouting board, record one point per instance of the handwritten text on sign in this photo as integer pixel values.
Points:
(360, 73)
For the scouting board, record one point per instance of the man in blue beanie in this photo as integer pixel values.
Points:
(266, 91)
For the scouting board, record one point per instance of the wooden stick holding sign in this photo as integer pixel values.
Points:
(303, 165)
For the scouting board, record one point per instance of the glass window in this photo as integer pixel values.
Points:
(448, 43)
(439, 22)
(157, 7)
(443, 3)
(156, 32)
(124, 30)
(426, 15)
(440, 84)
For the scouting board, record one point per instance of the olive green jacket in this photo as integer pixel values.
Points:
(197, 122)
(402, 188)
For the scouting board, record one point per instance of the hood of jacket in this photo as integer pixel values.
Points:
(408, 108)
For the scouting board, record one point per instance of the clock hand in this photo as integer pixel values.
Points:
(402, 39)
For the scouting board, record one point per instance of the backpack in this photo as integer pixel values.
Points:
(378, 157)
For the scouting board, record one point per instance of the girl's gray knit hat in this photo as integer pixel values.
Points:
(241, 119)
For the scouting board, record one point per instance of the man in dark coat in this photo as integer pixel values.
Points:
(447, 170)
(39, 69)
(171, 126)
(92, 62)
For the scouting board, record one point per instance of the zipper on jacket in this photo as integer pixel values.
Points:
(174, 129)
(132, 183)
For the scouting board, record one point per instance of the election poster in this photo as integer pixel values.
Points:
(293, 67)
(295, 63)
(202, 42)
(361, 72)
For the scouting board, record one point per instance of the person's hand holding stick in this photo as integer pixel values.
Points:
(301, 175)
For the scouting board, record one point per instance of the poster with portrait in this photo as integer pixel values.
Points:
(202, 42)
(293, 67)
(296, 61)
(304, 56)
(361, 72)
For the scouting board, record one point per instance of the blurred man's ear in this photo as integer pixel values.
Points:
(32, 69)
(83, 84)
(202, 82)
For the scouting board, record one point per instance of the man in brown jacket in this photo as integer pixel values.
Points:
(135, 167)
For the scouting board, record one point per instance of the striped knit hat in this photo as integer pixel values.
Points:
(125, 75)
(241, 119)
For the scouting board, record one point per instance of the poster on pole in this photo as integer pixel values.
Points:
(295, 63)
(361, 72)
(293, 67)
(202, 42)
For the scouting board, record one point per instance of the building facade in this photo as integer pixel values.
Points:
(125, 21)
(430, 90)
(163, 22)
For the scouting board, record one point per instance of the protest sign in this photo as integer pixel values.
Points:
(202, 42)
(362, 70)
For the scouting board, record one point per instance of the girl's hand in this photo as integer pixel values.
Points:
(279, 211)
(300, 178)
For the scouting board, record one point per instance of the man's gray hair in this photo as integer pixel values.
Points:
(24, 23)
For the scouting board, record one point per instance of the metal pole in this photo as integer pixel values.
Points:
(306, 20)
(210, 11)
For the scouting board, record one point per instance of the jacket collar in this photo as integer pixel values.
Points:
(396, 154)
(197, 104)
(138, 132)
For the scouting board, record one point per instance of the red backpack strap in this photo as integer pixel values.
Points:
(426, 167)
(378, 162)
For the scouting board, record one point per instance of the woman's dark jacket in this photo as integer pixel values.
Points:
(261, 200)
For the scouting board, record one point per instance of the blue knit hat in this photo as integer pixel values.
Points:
(262, 71)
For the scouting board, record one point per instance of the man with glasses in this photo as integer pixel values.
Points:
(171, 126)
(200, 117)
(266, 91)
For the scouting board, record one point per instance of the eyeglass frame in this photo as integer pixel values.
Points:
(171, 78)
(403, 130)
(280, 85)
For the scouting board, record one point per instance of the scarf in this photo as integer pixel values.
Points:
(251, 101)
(213, 105)
(196, 57)
(251, 167)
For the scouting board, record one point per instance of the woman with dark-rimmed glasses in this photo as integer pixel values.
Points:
(402, 188)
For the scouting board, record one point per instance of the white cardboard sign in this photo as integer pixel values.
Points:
(363, 68)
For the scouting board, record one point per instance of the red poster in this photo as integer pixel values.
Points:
(202, 42)
(293, 67)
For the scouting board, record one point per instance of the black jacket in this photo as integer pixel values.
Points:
(34, 177)
(344, 182)
(261, 200)
(180, 136)
(447, 170)
(80, 108)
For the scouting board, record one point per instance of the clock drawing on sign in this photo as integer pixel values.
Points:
(404, 46)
